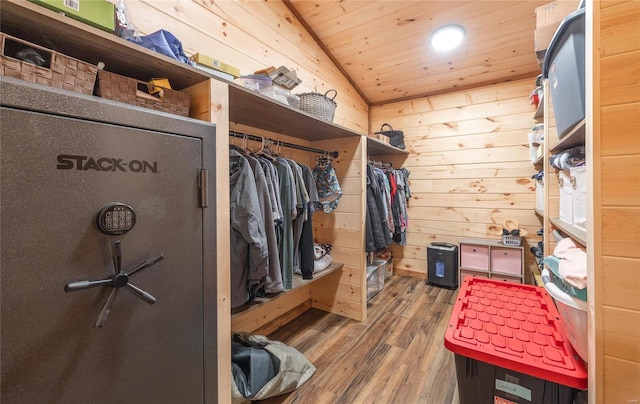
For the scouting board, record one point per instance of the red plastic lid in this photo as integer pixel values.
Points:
(516, 327)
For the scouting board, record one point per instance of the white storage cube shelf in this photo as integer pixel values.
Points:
(486, 258)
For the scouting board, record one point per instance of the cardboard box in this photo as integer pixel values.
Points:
(548, 19)
(216, 64)
(97, 13)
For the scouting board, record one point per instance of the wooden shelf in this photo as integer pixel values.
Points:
(539, 212)
(575, 233)
(298, 282)
(250, 108)
(574, 138)
(377, 147)
(539, 161)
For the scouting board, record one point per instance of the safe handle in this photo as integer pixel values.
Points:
(81, 285)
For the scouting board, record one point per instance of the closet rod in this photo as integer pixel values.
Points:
(234, 133)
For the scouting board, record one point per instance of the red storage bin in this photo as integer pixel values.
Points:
(508, 346)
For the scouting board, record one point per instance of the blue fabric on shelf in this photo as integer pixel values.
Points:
(163, 42)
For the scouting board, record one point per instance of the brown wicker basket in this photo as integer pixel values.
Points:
(57, 70)
(126, 89)
(320, 105)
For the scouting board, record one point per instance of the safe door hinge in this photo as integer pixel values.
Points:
(203, 186)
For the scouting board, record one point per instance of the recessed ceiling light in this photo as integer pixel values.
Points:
(447, 37)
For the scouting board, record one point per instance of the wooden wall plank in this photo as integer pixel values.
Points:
(621, 181)
(339, 221)
(344, 239)
(620, 125)
(621, 377)
(469, 156)
(494, 216)
(420, 127)
(485, 200)
(622, 333)
(619, 30)
(479, 95)
(620, 282)
(477, 185)
(616, 71)
(483, 170)
(472, 141)
(619, 232)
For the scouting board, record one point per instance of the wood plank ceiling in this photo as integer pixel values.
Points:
(382, 46)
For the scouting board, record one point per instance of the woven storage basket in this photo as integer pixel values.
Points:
(320, 105)
(57, 70)
(125, 89)
(511, 240)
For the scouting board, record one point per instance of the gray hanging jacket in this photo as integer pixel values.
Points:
(249, 263)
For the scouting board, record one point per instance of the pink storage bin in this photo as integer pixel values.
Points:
(474, 257)
(506, 260)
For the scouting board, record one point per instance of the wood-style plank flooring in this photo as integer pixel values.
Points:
(396, 356)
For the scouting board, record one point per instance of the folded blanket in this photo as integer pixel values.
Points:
(569, 158)
(573, 263)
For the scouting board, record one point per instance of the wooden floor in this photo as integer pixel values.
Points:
(396, 356)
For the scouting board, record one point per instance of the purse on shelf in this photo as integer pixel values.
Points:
(396, 137)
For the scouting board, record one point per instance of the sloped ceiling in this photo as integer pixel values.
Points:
(383, 46)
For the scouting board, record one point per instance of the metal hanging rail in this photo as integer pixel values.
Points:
(255, 138)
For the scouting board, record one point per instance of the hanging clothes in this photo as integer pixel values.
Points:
(273, 282)
(249, 260)
(378, 235)
(283, 198)
(302, 202)
(329, 191)
(403, 193)
(387, 195)
(288, 203)
(306, 240)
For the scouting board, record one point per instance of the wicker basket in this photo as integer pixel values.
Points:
(514, 241)
(320, 105)
(57, 70)
(126, 89)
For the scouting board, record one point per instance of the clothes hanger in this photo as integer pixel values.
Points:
(264, 150)
(324, 158)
